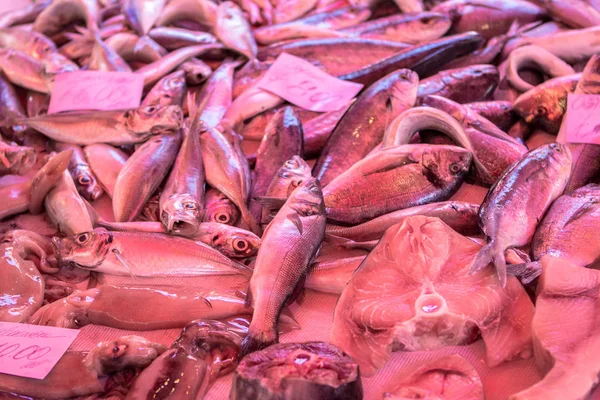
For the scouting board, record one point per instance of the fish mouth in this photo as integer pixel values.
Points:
(181, 224)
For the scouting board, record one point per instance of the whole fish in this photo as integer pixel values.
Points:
(215, 97)
(498, 112)
(283, 139)
(168, 91)
(410, 28)
(489, 17)
(85, 181)
(141, 175)
(517, 202)
(182, 199)
(66, 208)
(460, 216)
(219, 208)
(118, 127)
(395, 178)
(176, 38)
(105, 162)
(289, 244)
(224, 172)
(289, 176)
(25, 71)
(233, 30)
(529, 56)
(463, 85)
(363, 125)
(318, 25)
(141, 14)
(545, 104)
(143, 254)
(62, 12)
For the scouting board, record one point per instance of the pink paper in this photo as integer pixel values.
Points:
(299, 82)
(583, 118)
(95, 90)
(32, 351)
(12, 5)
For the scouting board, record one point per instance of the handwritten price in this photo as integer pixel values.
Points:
(94, 90)
(31, 353)
(303, 84)
(583, 121)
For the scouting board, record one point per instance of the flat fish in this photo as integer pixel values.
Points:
(414, 292)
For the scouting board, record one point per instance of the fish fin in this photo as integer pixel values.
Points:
(349, 243)
(249, 300)
(206, 301)
(244, 269)
(252, 343)
(483, 258)
(271, 202)
(526, 272)
(295, 219)
(124, 261)
(298, 292)
(583, 210)
(287, 321)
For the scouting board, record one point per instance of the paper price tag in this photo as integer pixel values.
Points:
(95, 90)
(583, 118)
(301, 83)
(32, 351)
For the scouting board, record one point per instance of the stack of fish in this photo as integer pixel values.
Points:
(109, 215)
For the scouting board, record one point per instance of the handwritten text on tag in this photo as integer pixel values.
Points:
(583, 118)
(301, 83)
(94, 90)
(32, 351)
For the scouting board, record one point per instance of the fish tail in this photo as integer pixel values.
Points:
(526, 272)
(249, 221)
(252, 343)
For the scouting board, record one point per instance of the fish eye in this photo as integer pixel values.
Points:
(84, 180)
(150, 109)
(82, 238)
(222, 218)
(427, 20)
(315, 190)
(286, 175)
(541, 110)
(190, 206)
(454, 168)
(240, 245)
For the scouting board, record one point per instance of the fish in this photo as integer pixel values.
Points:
(497, 112)
(528, 56)
(86, 182)
(288, 177)
(23, 15)
(412, 28)
(290, 10)
(463, 85)
(104, 58)
(118, 127)
(332, 270)
(196, 71)
(143, 254)
(514, 206)
(168, 91)
(203, 12)
(142, 173)
(461, 216)
(175, 38)
(60, 13)
(395, 178)
(574, 13)
(25, 71)
(105, 162)
(141, 15)
(413, 292)
(362, 127)
(489, 17)
(324, 381)
(564, 338)
(229, 240)
(219, 208)
(234, 31)
(132, 48)
(289, 244)
(215, 97)
(545, 105)
(283, 139)
(318, 130)
(224, 171)
(65, 207)
(182, 199)
(450, 377)
(15, 159)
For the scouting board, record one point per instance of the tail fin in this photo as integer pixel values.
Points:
(491, 253)
(526, 272)
(254, 343)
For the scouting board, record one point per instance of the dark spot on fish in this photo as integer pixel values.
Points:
(109, 239)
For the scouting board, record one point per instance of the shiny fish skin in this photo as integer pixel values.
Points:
(517, 202)
(83, 177)
(218, 208)
(168, 91)
(463, 85)
(106, 162)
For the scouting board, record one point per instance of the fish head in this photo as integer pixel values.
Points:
(127, 351)
(153, 119)
(561, 158)
(86, 182)
(445, 164)
(86, 250)
(220, 209)
(41, 46)
(181, 214)
(481, 76)
(403, 93)
(172, 88)
(291, 174)
(238, 242)
(435, 24)
(307, 199)
(55, 63)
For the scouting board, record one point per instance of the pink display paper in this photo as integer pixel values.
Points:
(95, 90)
(583, 118)
(32, 351)
(12, 5)
(299, 82)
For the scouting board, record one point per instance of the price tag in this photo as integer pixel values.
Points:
(299, 82)
(32, 351)
(95, 90)
(12, 5)
(583, 118)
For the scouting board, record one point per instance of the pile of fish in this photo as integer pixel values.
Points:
(444, 205)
